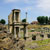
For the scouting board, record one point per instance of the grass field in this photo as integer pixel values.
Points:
(38, 26)
(43, 45)
(41, 48)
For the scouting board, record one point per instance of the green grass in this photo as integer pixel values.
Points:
(40, 43)
(43, 42)
(41, 48)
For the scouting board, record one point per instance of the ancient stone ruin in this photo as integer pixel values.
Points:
(15, 24)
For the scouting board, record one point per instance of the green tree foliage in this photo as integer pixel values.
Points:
(46, 20)
(42, 19)
(24, 20)
(49, 21)
(39, 19)
(2, 21)
(49, 18)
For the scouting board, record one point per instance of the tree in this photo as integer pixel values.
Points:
(39, 19)
(46, 20)
(49, 20)
(2, 21)
(43, 19)
(24, 20)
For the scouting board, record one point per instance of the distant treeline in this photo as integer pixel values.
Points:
(43, 19)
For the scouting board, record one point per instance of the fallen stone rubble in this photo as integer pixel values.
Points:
(7, 42)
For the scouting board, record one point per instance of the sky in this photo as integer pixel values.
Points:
(34, 8)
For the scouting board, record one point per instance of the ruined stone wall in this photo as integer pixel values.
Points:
(10, 18)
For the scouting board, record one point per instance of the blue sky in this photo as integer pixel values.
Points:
(34, 8)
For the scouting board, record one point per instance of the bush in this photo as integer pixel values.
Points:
(2, 21)
(24, 20)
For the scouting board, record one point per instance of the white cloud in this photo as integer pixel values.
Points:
(44, 5)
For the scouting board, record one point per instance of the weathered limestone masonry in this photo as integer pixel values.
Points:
(15, 24)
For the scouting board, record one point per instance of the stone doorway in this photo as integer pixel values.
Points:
(17, 16)
(33, 37)
(42, 36)
(48, 35)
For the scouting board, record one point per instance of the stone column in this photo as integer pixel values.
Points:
(25, 32)
(19, 17)
(14, 17)
(15, 33)
(19, 33)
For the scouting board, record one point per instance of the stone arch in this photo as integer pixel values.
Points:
(33, 37)
(48, 35)
(42, 35)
